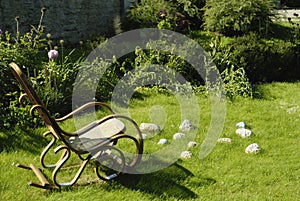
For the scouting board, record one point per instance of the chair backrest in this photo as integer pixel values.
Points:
(35, 100)
(26, 84)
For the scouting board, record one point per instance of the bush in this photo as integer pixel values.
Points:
(236, 82)
(263, 60)
(267, 60)
(165, 58)
(238, 17)
(192, 10)
(146, 14)
(24, 50)
(142, 64)
(234, 78)
(53, 80)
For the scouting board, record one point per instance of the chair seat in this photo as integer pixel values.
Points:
(96, 133)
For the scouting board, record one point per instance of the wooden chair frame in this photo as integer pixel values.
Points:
(104, 147)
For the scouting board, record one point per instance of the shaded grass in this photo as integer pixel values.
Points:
(226, 174)
(22, 139)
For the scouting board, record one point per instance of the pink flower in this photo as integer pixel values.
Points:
(53, 54)
(1, 32)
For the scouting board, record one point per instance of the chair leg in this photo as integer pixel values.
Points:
(132, 159)
(61, 162)
(110, 163)
(44, 182)
(45, 151)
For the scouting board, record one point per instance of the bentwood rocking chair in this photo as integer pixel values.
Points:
(98, 141)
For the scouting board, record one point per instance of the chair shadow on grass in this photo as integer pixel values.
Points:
(21, 139)
(171, 182)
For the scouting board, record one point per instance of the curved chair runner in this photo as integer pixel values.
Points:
(96, 141)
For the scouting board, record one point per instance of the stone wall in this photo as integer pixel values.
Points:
(128, 3)
(70, 20)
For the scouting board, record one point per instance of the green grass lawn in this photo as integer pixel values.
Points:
(228, 173)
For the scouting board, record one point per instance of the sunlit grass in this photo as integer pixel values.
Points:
(228, 173)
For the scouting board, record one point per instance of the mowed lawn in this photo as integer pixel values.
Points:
(227, 173)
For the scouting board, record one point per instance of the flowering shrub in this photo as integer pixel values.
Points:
(192, 10)
(175, 23)
(143, 13)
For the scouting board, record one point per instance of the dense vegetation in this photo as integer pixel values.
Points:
(238, 17)
(251, 48)
(245, 41)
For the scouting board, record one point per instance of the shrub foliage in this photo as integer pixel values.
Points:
(238, 17)
(145, 14)
(243, 59)
(52, 79)
(264, 60)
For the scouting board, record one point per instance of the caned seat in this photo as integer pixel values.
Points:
(93, 134)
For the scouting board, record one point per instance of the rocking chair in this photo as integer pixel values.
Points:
(97, 141)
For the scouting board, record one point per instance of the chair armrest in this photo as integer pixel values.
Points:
(83, 107)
